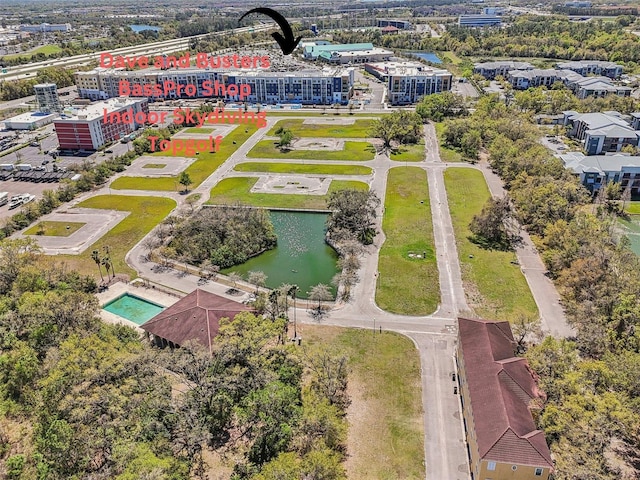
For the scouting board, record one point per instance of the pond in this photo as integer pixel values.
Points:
(302, 257)
(139, 28)
(428, 56)
(632, 230)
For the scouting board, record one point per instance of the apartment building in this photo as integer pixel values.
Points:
(595, 171)
(593, 67)
(85, 128)
(491, 70)
(497, 391)
(600, 132)
(408, 81)
(308, 87)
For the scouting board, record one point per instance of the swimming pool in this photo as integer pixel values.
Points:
(135, 309)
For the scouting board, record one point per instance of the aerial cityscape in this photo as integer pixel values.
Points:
(364, 240)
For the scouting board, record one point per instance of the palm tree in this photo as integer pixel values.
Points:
(293, 290)
(321, 293)
(107, 252)
(95, 256)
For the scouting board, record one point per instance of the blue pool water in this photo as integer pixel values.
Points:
(428, 56)
(139, 28)
(133, 308)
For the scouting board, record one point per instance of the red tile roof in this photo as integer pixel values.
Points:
(195, 317)
(501, 388)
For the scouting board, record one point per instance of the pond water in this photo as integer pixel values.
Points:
(428, 56)
(632, 230)
(139, 28)
(302, 257)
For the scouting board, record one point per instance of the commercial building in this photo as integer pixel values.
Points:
(491, 70)
(498, 391)
(389, 22)
(408, 81)
(600, 132)
(345, 54)
(593, 67)
(85, 128)
(479, 21)
(46, 27)
(29, 120)
(326, 86)
(47, 97)
(596, 171)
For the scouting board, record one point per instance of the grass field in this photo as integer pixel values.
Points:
(303, 169)
(354, 151)
(203, 130)
(408, 153)
(495, 287)
(54, 229)
(385, 436)
(206, 163)
(360, 129)
(154, 165)
(633, 208)
(329, 113)
(236, 190)
(146, 213)
(407, 285)
(45, 49)
(446, 154)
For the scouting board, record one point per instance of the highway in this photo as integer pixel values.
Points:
(155, 48)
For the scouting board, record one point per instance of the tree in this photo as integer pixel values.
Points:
(95, 256)
(320, 293)
(489, 227)
(234, 277)
(286, 137)
(440, 105)
(258, 278)
(525, 326)
(185, 180)
(353, 211)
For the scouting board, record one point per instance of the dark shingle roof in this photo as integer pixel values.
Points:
(195, 317)
(501, 387)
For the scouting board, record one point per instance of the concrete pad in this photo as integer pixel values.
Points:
(173, 166)
(292, 184)
(218, 129)
(329, 121)
(318, 144)
(98, 222)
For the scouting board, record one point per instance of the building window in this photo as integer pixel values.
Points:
(491, 466)
(538, 472)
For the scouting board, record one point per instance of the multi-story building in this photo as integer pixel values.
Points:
(344, 54)
(46, 27)
(491, 70)
(389, 22)
(597, 87)
(593, 67)
(497, 391)
(479, 21)
(308, 87)
(600, 132)
(408, 81)
(47, 98)
(595, 171)
(86, 128)
(523, 79)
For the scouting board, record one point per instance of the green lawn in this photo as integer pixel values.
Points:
(330, 112)
(355, 151)
(495, 288)
(146, 213)
(360, 129)
(45, 49)
(236, 190)
(633, 208)
(386, 434)
(446, 154)
(154, 165)
(204, 130)
(407, 285)
(409, 153)
(206, 163)
(303, 169)
(54, 229)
